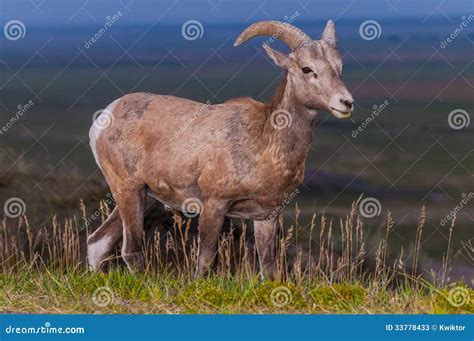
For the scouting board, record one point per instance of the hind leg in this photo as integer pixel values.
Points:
(102, 242)
(131, 204)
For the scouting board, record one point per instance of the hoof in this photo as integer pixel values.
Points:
(135, 262)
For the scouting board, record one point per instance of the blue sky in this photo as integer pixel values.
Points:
(87, 12)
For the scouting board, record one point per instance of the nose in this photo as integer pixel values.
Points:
(348, 103)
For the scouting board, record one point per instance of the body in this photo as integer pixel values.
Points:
(207, 162)
(227, 159)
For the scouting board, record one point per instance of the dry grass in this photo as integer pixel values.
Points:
(44, 269)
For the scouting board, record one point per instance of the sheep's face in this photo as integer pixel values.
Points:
(314, 75)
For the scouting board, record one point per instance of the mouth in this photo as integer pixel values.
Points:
(339, 113)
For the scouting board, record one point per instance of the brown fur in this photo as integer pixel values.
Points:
(230, 158)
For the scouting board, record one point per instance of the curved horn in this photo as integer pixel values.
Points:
(290, 35)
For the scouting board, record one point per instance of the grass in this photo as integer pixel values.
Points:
(76, 291)
(44, 271)
(42, 259)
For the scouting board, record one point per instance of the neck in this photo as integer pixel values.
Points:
(296, 137)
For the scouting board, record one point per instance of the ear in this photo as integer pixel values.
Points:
(279, 58)
(329, 34)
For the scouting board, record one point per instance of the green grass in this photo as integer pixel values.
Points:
(44, 271)
(42, 259)
(77, 291)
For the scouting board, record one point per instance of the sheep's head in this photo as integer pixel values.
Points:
(314, 66)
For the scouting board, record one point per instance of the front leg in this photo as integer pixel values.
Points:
(210, 225)
(265, 240)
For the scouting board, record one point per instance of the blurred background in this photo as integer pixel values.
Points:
(409, 66)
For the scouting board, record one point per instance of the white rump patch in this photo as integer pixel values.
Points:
(95, 130)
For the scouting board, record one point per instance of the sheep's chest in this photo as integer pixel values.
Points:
(270, 194)
(262, 205)
(281, 186)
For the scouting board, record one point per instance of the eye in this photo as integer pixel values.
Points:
(306, 70)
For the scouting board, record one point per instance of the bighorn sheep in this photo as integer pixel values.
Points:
(235, 159)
